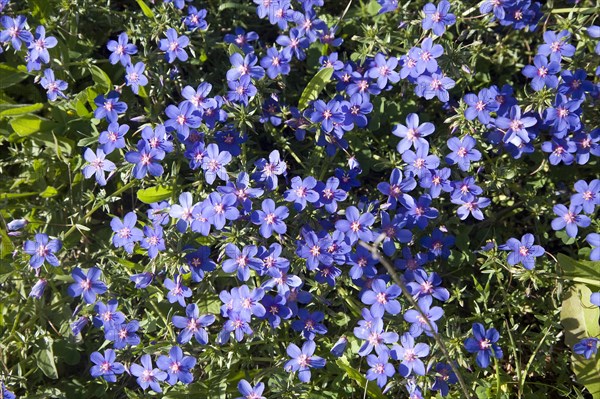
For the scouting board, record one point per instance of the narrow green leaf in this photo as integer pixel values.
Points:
(315, 86)
(4, 196)
(572, 269)
(154, 194)
(45, 360)
(101, 79)
(49, 192)
(20, 109)
(10, 76)
(238, 6)
(145, 9)
(6, 245)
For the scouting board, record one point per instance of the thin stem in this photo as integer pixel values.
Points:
(392, 272)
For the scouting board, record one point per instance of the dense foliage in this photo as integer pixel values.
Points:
(301, 198)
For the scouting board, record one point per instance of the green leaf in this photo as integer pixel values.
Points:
(580, 270)
(10, 76)
(145, 9)
(234, 49)
(580, 320)
(315, 86)
(4, 196)
(45, 360)
(6, 245)
(231, 4)
(372, 389)
(103, 83)
(49, 192)
(20, 109)
(26, 125)
(154, 194)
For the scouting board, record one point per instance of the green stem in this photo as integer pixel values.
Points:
(580, 10)
(98, 206)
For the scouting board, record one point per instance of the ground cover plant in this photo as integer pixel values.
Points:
(299, 199)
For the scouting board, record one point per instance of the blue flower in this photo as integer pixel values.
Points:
(436, 85)
(523, 251)
(437, 18)
(87, 286)
(193, 325)
(183, 118)
(196, 19)
(153, 242)
(15, 31)
(463, 152)
(424, 285)
(443, 376)
(123, 334)
(135, 76)
(587, 347)
(107, 315)
(371, 330)
(270, 218)
(384, 70)
(177, 366)
(315, 250)
(219, 209)
(158, 138)
(98, 164)
(382, 298)
(302, 360)
(126, 234)
(241, 90)
(427, 56)
(420, 162)
(244, 66)
(113, 137)
(555, 45)
(183, 211)
(38, 289)
(594, 240)
(142, 280)
(480, 105)
(177, 291)
(309, 324)
(268, 170)
(560, 150)
(42, 250)
(569, 218)
(339, 347)
(472, 207)
(241, 261)
(418, 322)
(327, 114)
(380, 369)
(484, 344)
(147, 376)
(199, 262)
(409, 354)
(241, 38)
(276, 63)
(330, 194)
(106, 366)
(301, 192)
(250, 392)
(174, 45)
(213, 163)
(145, 160)
(542, 72)
(54, 87)
(121, 50)
(38, 47)
(109, 107)
(515, 125)
(294, 44)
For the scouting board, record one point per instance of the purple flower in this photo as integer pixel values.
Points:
(356, 226)
(356, 110)
(419, 212)
(555, 45)
(472, 207)
(384, 70)
(38, 289)
(16, 224)
(193, 325)
(339, 347)
(42, 250)
(38, 47)
(241, 39)
(542, 72)
(418, 322)
(135, 76)
(145, 160)
(113, 137)
(480, 105)
(213, 163)
(412, 133)
(371, 330)
(330, 194)
(523, 251)
(244, 66)
(309, 324)
(588, 195)
(294, 44)
(484, 344)
(315, 250)
(463, 152)
(268, 170)
(147, 376)
(560, 150)
(280, 13)
(79, 324)
(327, 114)
(396, 188)
(153, 242)
(174, 46)
(380, 369)
(425, 285)
(109, 107)
(54, 87)
(241, 90)
(142, 280)
(106, 366)
(158, 138)
(427, 56)
(242, 190)
(126, 234)
(241, 261)
(409, 354)
(238, 324)
(183, 118)
(276, 63)
(515, 125)
(387, 5)
(199, 97)
(587, 347)
(108, 315)
(563, 116)
(87, 286)
(98, 164)
(382, 298)
(220, 209)
(302, 360)
(121, 50)
(270, 218)
(183, 211)
(301, 192)
(437, 18)
(177, 291)
(250, 392)
(123, 334)
(436, 85)
(177, 366)
(420, 162)
(443, 376)
(15, 31)
(196, 19)
(436, 181)
(438, 244)
(569, 218)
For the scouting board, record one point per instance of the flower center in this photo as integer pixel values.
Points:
(382, 297)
